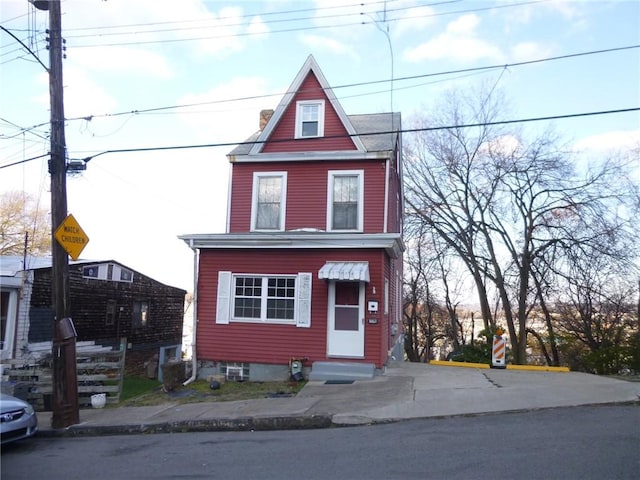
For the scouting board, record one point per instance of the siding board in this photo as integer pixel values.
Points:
(271, 343)
(88, 299)
(307, 193)
(282, 137)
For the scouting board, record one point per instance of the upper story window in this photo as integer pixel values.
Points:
(310, 119)
(345, 205)
(269, 201)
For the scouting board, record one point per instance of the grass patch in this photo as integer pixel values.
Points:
(139, 392)
(135, 386)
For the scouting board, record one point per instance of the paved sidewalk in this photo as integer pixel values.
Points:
(404, 391)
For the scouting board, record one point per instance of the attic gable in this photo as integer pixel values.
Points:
(311, 98)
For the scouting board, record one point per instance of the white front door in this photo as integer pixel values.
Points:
(345, 337)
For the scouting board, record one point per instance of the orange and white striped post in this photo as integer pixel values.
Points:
(498, 351)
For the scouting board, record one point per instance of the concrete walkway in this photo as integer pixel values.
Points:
(404, 391)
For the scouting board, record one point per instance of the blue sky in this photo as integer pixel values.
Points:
(131, 62)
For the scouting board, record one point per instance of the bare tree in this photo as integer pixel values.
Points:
(424, 322)
(447, 188)
(504, 204)
(597, 310)
(25, 228)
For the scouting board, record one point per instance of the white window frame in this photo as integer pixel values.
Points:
(345, 173)
(299, 117)
(301, 299)
(254, 200)
(107, 271)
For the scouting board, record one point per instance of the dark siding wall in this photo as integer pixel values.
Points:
(281, 137)
(394, 224)
(276, 344)
(88, 308)
(307, 193)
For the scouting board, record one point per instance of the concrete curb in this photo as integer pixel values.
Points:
(301, 422)
(539, 368)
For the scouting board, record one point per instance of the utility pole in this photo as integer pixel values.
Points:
(65, 380)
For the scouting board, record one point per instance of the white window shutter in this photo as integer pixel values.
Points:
(224, 297)
(303, 300)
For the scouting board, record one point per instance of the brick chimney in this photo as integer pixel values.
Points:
(265, 116)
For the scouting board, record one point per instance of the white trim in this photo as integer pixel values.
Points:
(310, 65)
(264, 297)
(303, 299)
(391, 242)
(254, 200)
(344, 156)
(6, 348)
(229, 193)
(385, 219)
(386, 296)
(342, 344)
(223, 304)
(109, 271)
(299, 118)
(332, 174)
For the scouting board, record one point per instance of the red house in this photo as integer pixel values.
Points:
(310, 268)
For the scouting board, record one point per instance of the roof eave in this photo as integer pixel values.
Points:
(390, 242)
(311, 156)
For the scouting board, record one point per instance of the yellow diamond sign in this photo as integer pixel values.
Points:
(71, 237)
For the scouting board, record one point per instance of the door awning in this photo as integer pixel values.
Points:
(358, 271)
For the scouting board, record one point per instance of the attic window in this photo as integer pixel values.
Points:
(310, 119)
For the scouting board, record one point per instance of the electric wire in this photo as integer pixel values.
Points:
(297, 29)
(366, 83)
(363, 134)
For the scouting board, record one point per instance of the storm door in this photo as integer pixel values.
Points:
(345, 337)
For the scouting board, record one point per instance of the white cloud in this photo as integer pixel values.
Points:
(414, 19)
(610, 141)
(215, 122)
(459, 42)
(318, 42)
(81, 94)
(125, 59)
(464, 25)
(257, 27)
(524, 51)
(524, 14)
(189, 26)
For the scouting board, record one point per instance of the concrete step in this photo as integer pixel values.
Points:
(341, 371)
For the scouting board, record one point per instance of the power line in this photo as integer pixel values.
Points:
(369, 82)
(215, 21)
(350, 85)
(247, 15)
(298, 29)
(24, 161)
(27, 48)
(409, 130)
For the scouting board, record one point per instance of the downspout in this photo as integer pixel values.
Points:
(194, 305)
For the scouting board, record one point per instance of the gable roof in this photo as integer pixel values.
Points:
(310, 66)
(377, 131)
(12, 265)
